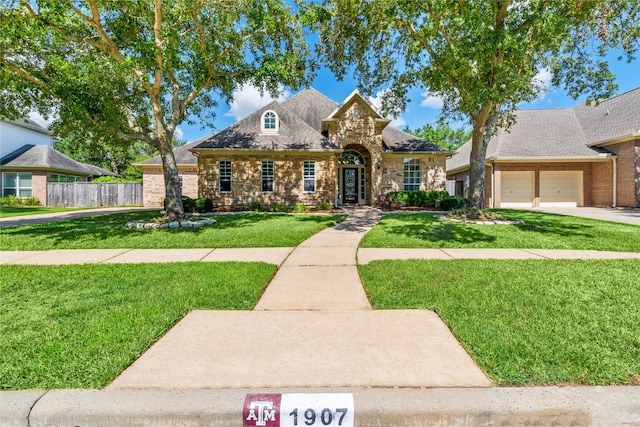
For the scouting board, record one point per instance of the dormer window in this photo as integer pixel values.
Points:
(270, 122)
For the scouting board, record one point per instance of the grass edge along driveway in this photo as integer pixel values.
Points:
(79, 326)
(526, 322)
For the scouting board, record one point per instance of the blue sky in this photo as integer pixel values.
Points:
(420, 110)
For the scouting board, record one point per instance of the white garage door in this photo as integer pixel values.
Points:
(516, 189)
(561, 188)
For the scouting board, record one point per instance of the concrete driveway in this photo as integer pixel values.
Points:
(626, 216)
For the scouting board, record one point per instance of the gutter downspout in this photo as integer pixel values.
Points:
(615, 182)
(493, 185)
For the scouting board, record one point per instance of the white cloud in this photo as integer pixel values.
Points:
(376, 101)
(178, 133)
(247, 99)
(543, 81)
(36, 117)
(431, 101)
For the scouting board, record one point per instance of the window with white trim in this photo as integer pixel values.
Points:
(267, 177)
(17, 184)
(411, 174)
(309, 176)
(224, 176)
(269, 122)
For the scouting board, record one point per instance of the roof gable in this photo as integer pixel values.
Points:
(44, 157)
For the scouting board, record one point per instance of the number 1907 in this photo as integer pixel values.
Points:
(326, 416)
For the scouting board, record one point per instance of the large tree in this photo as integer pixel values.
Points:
(137, 69)
(442, 134)
(481, 57)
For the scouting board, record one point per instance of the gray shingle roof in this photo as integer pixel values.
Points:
(398, 141)
(30, 124)
(44, 157)
(182, 155)
(558, 133)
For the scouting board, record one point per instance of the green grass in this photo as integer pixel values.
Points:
(539, 231)
(80, 326)
(11, 211)
(109, 231)
(527, 322)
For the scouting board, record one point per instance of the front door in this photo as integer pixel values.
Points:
(350, 185)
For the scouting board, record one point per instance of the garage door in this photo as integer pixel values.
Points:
(516, 189)
(560, 188)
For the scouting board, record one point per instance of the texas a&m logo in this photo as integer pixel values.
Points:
(262, 410)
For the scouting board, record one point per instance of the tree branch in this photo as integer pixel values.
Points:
(27, 75)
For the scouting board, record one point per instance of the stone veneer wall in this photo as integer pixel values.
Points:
(356, 125)
(246, 178)
(153, 184)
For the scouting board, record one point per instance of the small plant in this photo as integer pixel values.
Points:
(452, 203)
(281, 207)
(300, 207)
(12, 200)
(203, 204)
(188, 204)
(323, 206)
(257, 206)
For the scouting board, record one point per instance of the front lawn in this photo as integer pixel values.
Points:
(109, 231)
(527, 322)
(11, 211)
(79, 326)
(539, 231)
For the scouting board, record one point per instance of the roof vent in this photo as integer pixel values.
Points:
(607, 113)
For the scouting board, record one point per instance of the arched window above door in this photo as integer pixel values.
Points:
(351, 157)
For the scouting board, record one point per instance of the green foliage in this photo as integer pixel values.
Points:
(12, 200)
(453, 203)
(480, 58)
(203, 204)
(300, 207)
(111, 179)
(257, 206)
(442, 135)
(188, 204)
(281, 207)
(101, 70)
(421, 198)
(526, 322)
(323, 206)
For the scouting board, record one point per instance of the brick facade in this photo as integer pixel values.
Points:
(246, 178)
(432, 171)
(153, 184)
(628, 171)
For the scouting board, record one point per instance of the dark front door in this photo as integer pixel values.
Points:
(350, 185)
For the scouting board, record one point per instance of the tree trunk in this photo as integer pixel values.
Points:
(484, 125)
(172, 189)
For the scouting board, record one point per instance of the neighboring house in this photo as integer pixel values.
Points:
(581, 156)
(307, 149)
(28, 161)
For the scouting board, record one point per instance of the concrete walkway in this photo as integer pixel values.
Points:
(313, 327)
(625, 216)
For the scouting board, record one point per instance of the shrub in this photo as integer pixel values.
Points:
(203, 204)
(281, 207)
(31, 201)
(422, 198)
(257, 206)
(323, 206)
(12, 200)
(300, 207)
(188, 204)
(452, 203)
(111, 179)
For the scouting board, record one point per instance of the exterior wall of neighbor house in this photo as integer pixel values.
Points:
(597, 179)
(15, 136)
(38, 182)
(246, 178)
(432, 171)
(462, 181)
(153, 184)
(628, 172)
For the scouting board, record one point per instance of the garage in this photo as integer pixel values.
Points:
(516, 189)
(561, 189)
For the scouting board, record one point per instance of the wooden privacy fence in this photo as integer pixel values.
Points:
(90, 194)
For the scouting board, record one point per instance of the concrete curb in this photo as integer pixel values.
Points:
(527, 406)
